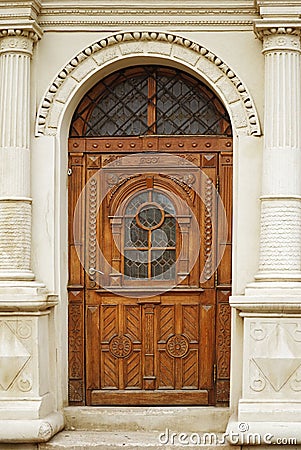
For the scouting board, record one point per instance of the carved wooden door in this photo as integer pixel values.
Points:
(149, 319)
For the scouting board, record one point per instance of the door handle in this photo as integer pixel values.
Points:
(92, 271)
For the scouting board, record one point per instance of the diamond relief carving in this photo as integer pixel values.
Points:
(281, 362)
(13, 356)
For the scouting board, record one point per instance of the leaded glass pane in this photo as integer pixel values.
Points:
(134, 236)
(150, 216)
(163, 264)
(182, 109)
(163, 201)
(135, 203)
(150, 226)
(121, 111)
(165, 236)
(150, 100)
(135, 263)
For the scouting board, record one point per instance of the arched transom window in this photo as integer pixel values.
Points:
(150, 100)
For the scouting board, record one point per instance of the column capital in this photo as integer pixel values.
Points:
(278, 35)
(19, 38)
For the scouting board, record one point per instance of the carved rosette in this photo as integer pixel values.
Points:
(120, 346)
(177, 346)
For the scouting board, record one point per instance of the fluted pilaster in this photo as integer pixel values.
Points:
(16, 47)
(280, 240)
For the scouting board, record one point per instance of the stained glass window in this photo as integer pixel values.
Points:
(150, 237)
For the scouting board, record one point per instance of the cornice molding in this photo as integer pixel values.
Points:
(170, 15)
(20, 10)
(142, 11)
(94, 24)
(143, 44)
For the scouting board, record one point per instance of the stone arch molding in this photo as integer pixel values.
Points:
(169, 46)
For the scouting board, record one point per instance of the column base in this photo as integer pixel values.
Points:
(269, 411)
(31, 431)
(277, 301)
(278, 276)
(28, 378)
(17, 275)
(240, 432)
(278, 288)
(25, 296)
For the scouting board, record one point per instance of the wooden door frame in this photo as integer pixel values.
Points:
(79, 149)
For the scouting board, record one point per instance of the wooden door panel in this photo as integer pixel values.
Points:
(170, 348)
(223, 346)
(147, 347)
(224, 273)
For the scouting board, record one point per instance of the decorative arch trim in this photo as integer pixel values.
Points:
(219, 75)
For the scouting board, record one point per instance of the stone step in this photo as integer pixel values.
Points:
(80, 440)
(133, 419)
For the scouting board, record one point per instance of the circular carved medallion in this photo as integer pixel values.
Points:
(177, 346)
(120, 346)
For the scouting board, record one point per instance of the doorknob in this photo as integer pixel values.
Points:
(92, 271)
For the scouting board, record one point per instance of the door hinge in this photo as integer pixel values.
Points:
(214, 373)
(69, 172)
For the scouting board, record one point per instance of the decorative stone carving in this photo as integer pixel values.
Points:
(18, 40)
(285, 369)
(45, 431)
(15, 235)
(25, 383)
(274, 356)
(279, 38)
(258, 331)
(13, 356)
(257, 381)
(295, 382)
(125, 16)
(280, 240)
(24, 329)
(87, 63)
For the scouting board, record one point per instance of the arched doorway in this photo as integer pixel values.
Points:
(150, 329)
